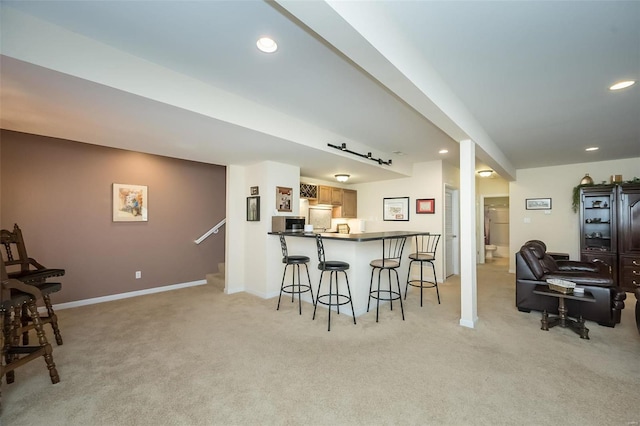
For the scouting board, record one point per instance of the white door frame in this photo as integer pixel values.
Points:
(455, 229)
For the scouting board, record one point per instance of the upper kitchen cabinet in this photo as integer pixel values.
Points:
(324, 194)
(349, 207)
(336, 196)
(329, 195)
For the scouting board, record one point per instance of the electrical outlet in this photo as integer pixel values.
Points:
(138, 274)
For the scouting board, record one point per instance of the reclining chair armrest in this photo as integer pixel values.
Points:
(558, 256)
(583, 278)
(573, 265)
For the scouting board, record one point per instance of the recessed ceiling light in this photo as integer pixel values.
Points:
(592, 148)
(443, 151)
(267, 45)
(622, 85)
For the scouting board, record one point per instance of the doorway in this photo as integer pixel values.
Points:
(496, 229)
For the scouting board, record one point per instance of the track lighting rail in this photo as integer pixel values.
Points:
(343, 147)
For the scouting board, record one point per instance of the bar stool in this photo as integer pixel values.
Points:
(332, 266)
(391, 258)
(295, 262)
(426, 245)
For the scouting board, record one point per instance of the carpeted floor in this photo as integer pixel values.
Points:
(199, 357)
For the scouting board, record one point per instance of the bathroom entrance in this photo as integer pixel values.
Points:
(496, 228)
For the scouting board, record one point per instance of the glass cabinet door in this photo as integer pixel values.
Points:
(598, 222)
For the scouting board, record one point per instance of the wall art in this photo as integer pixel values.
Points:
(130, 203)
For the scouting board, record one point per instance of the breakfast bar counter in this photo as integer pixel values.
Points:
(357, 249)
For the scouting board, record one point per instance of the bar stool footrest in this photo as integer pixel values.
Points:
(334, 302)
(420, 283)
(296, 289)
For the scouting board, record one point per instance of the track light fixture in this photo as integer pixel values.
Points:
(343, 147)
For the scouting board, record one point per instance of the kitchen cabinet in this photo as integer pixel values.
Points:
(336, 196)
(324, 194)
(349, 208)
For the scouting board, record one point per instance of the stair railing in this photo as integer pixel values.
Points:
(213, 230)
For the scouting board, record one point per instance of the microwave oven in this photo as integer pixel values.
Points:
(287, 224)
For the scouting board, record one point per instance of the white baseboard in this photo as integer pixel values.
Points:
(113, 297)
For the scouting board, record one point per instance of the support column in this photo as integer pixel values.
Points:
(468, 279)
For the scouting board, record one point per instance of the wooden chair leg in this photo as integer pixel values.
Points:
(42, 340)
(53, 318)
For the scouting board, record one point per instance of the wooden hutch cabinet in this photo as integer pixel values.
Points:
(629, 237)
(610, 230)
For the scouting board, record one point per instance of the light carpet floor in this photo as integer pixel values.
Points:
(199, 357)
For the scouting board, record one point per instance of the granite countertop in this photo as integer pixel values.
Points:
(359, 237)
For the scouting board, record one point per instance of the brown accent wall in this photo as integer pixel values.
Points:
(59, 193)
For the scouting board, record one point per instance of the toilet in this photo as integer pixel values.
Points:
(488, 251)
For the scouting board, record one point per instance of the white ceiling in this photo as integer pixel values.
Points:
(527, 81)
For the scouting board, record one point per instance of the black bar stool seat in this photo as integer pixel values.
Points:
(295, 261)
(332, 298)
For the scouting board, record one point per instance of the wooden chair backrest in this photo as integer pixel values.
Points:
(13, 244)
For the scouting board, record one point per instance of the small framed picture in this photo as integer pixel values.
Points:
(538, 203)
(283, 198)
(253, 209)
(396, 208)
(254, 190)
(130, 203)
(426, 206)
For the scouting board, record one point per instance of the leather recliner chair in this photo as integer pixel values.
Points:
(534, 266)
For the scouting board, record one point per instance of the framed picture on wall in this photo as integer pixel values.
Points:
(425, 206)
(130, 203)
(283, 198)
(253, 209)
(538, 203)
(254, 190)
(396, 208)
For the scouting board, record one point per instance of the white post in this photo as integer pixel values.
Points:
(468, 281)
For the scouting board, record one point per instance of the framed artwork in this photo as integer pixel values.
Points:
(538, 203)
(254, 190)
(253, 209)
(283, 198)
(130, 203)
(426, 205)
(396, 208)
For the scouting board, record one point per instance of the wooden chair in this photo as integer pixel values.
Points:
(14, 295)
(27, 270)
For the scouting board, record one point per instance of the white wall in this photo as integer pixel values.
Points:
(426, 182)
(559, 229)
(253, 257)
